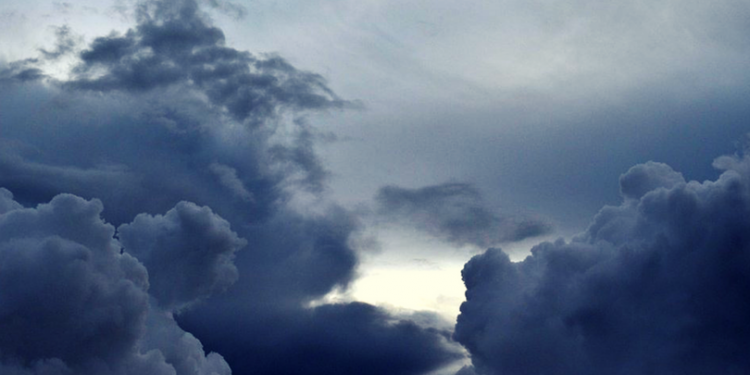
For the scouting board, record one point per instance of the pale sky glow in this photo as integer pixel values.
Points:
(413, 272)
(407, 270)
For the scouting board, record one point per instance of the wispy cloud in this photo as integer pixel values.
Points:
(455, 212)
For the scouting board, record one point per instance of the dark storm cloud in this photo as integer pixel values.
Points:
(228, 177)
(187, 240)
(659, 284)
(61, 270)
(72, 302)
(6, 201)
(644, 178)
(259, 326)
(167, 150)
(303, 257)
(353, 338)
(153, 125)
(173, 44)
(457, 213)
(300, 155)
(21, 71)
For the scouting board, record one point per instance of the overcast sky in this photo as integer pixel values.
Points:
(296, 186)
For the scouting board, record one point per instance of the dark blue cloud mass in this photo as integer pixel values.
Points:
(187, 240)
(352, 338)
(156, 185)
(657, 285)
(71, 302)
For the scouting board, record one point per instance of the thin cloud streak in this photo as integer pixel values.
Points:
(455, 212)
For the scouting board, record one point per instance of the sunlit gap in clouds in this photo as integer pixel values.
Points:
(408, 271)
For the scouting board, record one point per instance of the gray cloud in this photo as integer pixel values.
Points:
(66, 43)
(457, 213)
(180, 349)
(644, 178)
(231, 8)
(658, 284)
(174, 45)
(6, 201)
(187, 240)
(301, 156)
(228, 177)
(21, 71)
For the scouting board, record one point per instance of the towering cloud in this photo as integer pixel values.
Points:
(455, 212)
(193, 151)
(659, 284)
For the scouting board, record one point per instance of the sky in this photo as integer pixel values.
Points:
(214, 187)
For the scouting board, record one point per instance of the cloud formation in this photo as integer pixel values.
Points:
(73, 303)
(658, 284)
(174, 45)
(193, 150)
(189, 253)
(457, 213)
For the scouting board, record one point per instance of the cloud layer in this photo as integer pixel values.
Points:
(658, 284)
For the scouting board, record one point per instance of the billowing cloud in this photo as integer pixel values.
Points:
(6, 201)
(644, 178)
(173, 44)
(457, 213)
(62, 270)
(73, 303)
(192, 150)
(658, 285)
(189, 253)
(180, 349)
